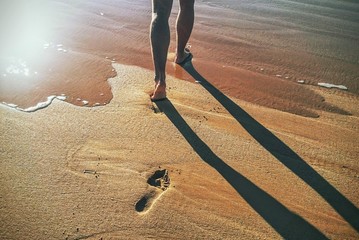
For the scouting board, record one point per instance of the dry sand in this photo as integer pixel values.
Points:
(71, 172)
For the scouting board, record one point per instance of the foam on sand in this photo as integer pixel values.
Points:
(329, 85)
(38, 106)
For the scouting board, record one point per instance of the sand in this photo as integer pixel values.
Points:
(247, 146)
(236, 170)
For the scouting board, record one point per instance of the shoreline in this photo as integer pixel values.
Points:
(331, 88)
(263, 68)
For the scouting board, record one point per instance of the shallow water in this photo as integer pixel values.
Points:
(51, 49)
(254, 50)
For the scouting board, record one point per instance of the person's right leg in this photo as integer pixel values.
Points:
(184, 28)
(160, 40)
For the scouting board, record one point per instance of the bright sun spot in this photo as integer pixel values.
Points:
(25, 26)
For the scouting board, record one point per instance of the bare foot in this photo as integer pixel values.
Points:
(181, 58)
(159, 93)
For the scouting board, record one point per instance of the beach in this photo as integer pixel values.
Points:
(246, 146)
(73, 172)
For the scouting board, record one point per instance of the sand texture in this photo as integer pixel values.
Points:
(199, 165)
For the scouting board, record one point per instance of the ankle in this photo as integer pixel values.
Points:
(181, 53)
(161, 83)
(160, 79)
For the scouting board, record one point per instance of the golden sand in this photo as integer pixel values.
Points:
(236, 170)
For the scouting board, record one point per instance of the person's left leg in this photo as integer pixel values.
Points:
(160, 40)
(184, 26)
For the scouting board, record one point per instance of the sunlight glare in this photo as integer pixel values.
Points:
(25, 27)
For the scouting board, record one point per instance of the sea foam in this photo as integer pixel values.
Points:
(329, 85)
(38, 106)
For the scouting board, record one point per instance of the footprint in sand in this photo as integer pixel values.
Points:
(154, 108)
(159, 182)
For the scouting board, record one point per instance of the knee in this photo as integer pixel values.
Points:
(160, 16)
(187, 4)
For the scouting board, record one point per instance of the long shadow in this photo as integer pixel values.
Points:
(288, 224)
(282, 152)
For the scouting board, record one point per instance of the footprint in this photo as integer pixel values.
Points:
(154, 108)
(160, 179)
(159, 182)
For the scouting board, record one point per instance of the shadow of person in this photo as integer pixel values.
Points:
(282, 152)
(288, 224)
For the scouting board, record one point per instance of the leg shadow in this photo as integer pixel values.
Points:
(288, 224)
(282, 152)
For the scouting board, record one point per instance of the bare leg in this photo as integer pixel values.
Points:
(184, 28)
(160, 40)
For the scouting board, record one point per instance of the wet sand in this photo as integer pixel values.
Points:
(236, 170)
(264, 53)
